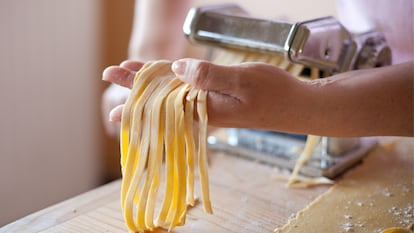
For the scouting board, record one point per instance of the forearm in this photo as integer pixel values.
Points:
(157, 29)
(363, 103)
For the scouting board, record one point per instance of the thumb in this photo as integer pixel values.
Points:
(206, 75)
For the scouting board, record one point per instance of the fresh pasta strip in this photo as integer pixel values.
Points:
(156, 148)
(176, 213)
(202, 146)
(169, 148)
(190, 145)
(302, 181)
(396, 230)
(306, 154)
(157, 126)
(133, 167)
(142, 80)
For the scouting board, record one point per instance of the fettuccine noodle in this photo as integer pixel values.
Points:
(157, 126)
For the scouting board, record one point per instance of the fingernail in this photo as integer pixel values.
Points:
(110, 118)
(178, 67)
(105, 74)
(115, 113)
(112, 115)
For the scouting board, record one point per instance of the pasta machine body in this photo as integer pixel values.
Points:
(322, 43)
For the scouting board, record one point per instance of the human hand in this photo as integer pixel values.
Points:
(249, 95)
(116, 94)
(261, 96)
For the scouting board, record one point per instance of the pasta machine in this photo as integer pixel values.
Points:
(322, 43)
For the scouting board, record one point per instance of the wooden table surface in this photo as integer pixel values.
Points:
(245, 198)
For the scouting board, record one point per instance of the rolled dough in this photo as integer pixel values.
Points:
(376, 195)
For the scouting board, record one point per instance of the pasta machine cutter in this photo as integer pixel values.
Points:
(322, 43)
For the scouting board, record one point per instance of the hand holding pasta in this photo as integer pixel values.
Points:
(156, 126)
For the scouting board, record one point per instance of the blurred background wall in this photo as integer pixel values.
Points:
(52, 53)
(52, 144)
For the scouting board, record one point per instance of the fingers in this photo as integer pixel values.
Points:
(132, 65)
(113, 96)
(224, 83)
(119, 75)
(238, 95)
(122, 75)
(116, 113)
(207, 76)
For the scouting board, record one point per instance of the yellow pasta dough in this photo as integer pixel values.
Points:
(306, 154)
(376, 196)
(157, 126)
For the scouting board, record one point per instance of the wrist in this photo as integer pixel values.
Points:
(308, 107)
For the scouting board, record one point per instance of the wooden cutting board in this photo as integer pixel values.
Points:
(245, 198)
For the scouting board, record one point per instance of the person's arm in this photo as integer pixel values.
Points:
(157, 30)
(255, 95)
(365, 102)
(156, 34)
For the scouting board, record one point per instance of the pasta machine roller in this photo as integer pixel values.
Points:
(322, 43)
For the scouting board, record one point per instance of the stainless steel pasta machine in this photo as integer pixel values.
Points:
(322, 43)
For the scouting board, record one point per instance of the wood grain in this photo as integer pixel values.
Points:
(245, 198)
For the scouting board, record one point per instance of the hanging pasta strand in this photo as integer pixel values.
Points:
(306, 154)
(202, 146)
(156, 147)
(169, 148)
(190, 145)
(141, 80)
(179, 205)
(157, 126)
(136, 153)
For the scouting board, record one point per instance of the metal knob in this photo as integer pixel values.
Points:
(374, 51)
